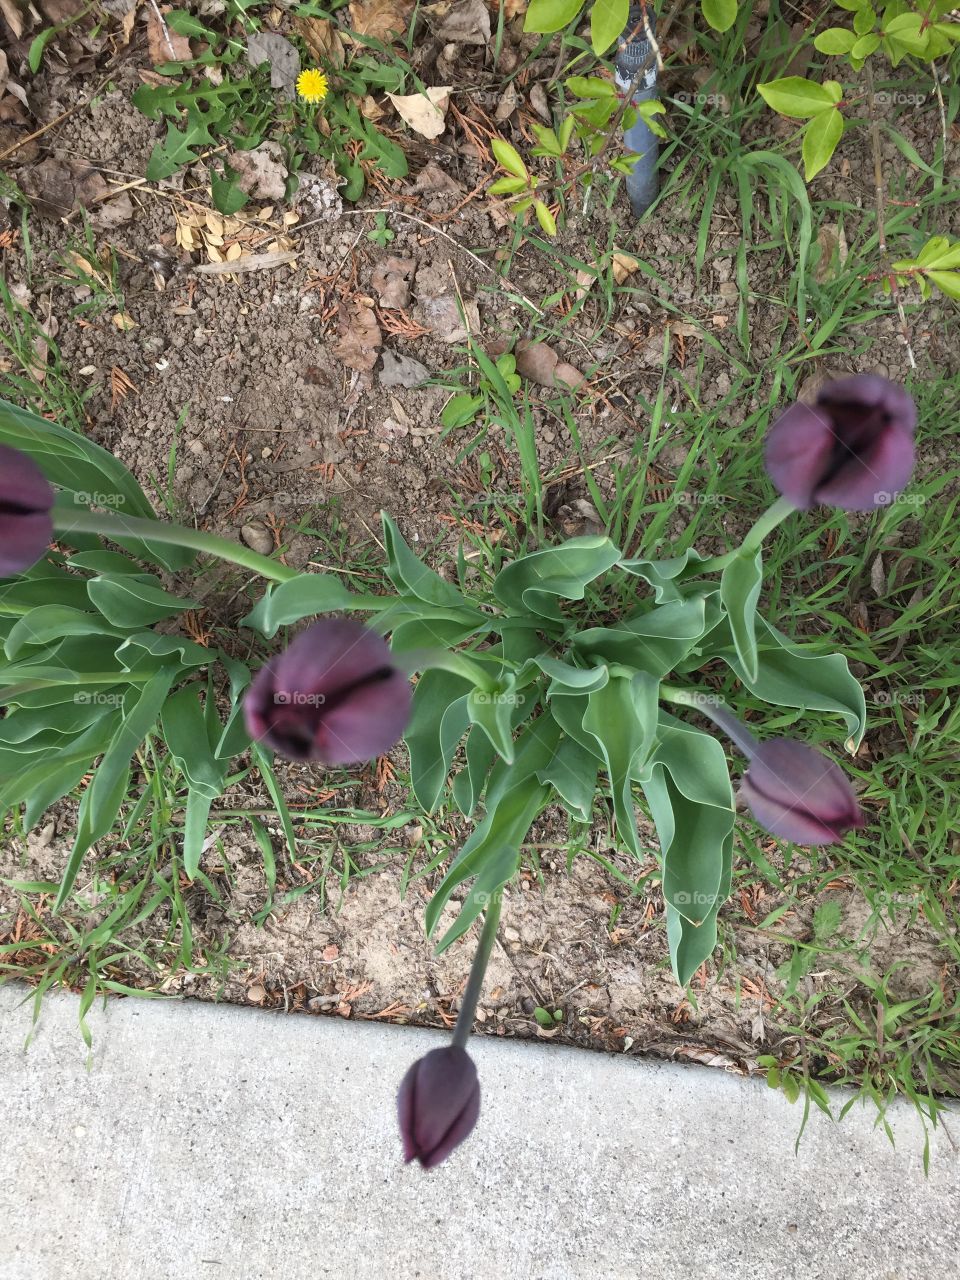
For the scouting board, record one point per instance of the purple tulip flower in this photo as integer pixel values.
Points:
(796, 793)
(853, 449)
(438, 1104)
(335, 695)
(26, 526)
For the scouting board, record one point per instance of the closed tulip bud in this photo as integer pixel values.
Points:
(26, 526)
(796, 793)
(335, 695)
(438, 1104)
(852, 449)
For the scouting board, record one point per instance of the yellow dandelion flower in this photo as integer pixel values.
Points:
(312, 85)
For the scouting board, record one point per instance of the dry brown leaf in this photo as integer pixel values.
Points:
(371, 109)
(623, 265)
(261, 172)
(462, 22)
(360, 337)
(432, 178)
(164, 45)
(392, 280)
(124, 322)
(425, 113)
(380, 19)
(322, 38)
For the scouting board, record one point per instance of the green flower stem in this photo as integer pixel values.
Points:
(775, 514)
(715, 709)
(468, 1006)
(110, 525)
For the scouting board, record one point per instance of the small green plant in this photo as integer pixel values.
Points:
(608, 18)
(207, 103)
(898, 31)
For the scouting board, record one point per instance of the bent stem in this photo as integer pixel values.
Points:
(775, 514)
(118, 527)
(468, 1008)
(714, 709)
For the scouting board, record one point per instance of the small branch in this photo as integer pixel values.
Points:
(880, 196)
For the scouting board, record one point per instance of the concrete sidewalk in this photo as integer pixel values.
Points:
(234, 1144)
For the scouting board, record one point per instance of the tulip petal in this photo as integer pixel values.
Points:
(26, 527)
(798, 794)
(798, 450)
(334, 695)
(23, 486)
(438, 1104)
(873, 477)
(23, 541)
(367, 724)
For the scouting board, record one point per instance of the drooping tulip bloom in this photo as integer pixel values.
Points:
(335, 695)
(852, 449)
(796, 793)
(26, 526)
(438, 1104)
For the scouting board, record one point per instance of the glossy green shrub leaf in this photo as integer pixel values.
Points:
(820, 140)
(544, 16)
(509, 158)
(548, 223)
(607, 21)
(720, 14)
(797, 97)
(835, 40)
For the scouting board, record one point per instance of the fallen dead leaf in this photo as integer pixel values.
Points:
(281, 56)
(124, 322)
(392, 280)
(261, 172)
(360, 337)
(463, 22)
(425, 113)
(432, 178)
(623, 265)
(380, 19)
(164, 45)
(402, 371)
(322, 38)
(442, 317)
